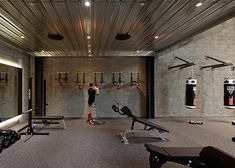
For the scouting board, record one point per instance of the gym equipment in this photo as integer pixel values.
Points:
(229, 94)
(30, 130)
(1, 147)
(101, 81)
(190, 93)
(185, 65)
(44, 119)
(148, 126)
(7, 138)
(233, 139)
(118, 83)
(4, 78)
(80, 80)
(195, 157)
(136, 82)
(233, 122)
(195, 122)
(222, 63)
(62, 78)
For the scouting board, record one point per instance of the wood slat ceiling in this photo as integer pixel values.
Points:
(26, 24)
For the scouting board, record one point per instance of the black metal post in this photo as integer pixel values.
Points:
(150, 112)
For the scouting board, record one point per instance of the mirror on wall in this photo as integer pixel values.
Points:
(10, 92)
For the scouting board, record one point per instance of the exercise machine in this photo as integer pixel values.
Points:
(148, 126)
(195, 157)
(44, 119)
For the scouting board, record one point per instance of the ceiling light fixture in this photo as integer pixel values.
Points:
(156, 37)
(22, 37)
(89, 51)
(88, 37)
(137, 51)
(198, 4)
(87, 3)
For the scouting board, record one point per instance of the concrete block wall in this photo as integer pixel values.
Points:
(69, 101)
(217, 42)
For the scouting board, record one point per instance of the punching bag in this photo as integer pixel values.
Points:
(190, 93)
(229, 93)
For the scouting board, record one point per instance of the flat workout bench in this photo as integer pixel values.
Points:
(148, 126)
(195, 157)
(47, 120)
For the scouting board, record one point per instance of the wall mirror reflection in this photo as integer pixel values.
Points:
(10, 92)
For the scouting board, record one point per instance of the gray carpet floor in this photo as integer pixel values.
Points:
(98, 146)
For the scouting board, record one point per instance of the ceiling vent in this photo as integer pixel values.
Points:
(125, 36)
(55, 36)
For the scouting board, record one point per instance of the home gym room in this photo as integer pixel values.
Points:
(162, 72)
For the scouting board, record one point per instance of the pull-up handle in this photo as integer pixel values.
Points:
(181, 66)
(222, 63)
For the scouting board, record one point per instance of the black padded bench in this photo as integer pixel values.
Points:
(195, 157)
(148, 126)
(47, 120)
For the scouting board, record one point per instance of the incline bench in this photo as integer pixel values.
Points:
(148, 126)
(195, 157)
(47, 120)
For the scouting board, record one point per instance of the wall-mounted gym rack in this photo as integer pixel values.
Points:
(135, 79)
(62, 78)
(98, 78)
(80, 80)
(221, 63)
(3, 78)
(115, 79)
(181, 66)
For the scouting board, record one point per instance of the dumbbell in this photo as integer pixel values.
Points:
(9, 134)
(4, 141)
(1, 147)
(192, 122)
(195, 122)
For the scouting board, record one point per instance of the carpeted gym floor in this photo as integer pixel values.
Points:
(98, 146)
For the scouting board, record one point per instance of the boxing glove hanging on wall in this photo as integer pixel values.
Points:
(190, 93)
(229, 93)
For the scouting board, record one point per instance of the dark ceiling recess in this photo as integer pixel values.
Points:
(55, 36)
(125, 36)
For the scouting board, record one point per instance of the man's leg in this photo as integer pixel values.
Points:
(90, 119)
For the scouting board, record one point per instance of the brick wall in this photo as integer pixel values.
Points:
(69, 101)
(217, 42)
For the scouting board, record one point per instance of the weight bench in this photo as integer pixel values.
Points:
(47, 120)
(195, 157)
(148, 126)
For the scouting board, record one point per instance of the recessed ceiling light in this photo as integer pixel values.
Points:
(89, 51)
(22, 37)
(198, 4)
(90, 55)
(156, 37)
(88, 37)
(87, 3)
(137, 51)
